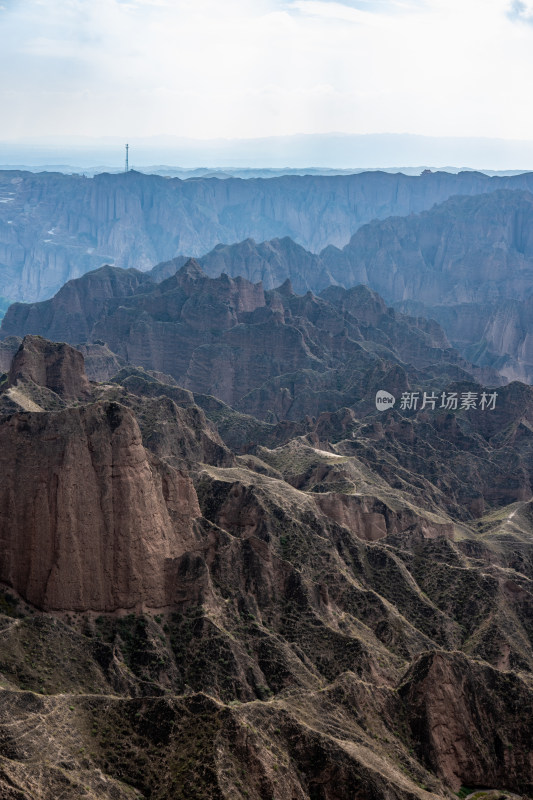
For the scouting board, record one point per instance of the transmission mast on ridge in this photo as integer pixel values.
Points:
(127, 161)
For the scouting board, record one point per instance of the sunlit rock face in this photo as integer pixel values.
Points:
(89, 519)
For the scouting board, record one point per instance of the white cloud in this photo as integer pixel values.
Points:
(265, 67)
(334, 11)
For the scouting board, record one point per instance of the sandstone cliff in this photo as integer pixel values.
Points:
(57, 367)
(463, 250)
(468, 263)
(507, 339)
(89, 520)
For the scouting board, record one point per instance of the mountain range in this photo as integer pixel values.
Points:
(467, 263)
(266, 514)
(282, 359)
(273, 354)
(343, 606)
(55, 227)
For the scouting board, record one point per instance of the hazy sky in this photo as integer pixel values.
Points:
(250, 68)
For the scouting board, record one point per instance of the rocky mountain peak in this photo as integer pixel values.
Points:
(286, 289)
(190, 272)
(51, 365)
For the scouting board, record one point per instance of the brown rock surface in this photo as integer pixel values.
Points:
(372, 519)
(183, 437)
(74, 308)
(459, 712)
(89, 520)
(58, 367)
(312, 620)
(101, 364)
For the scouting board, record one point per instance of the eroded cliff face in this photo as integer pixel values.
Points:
(271, 262)
(458, 711)
(89, 520)
(54, 366)
(508, 340)
(472, 250)
(463, 250)
(467, 249)
(56, 227)
(467, 263)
